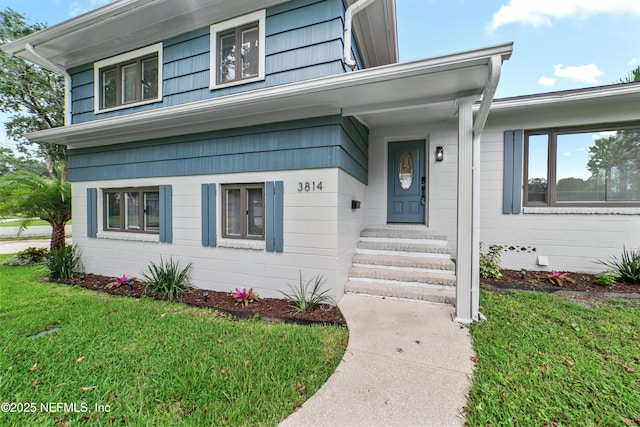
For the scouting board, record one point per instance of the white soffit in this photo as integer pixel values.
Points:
(103, 32)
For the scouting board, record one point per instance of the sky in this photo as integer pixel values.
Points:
(558, 44)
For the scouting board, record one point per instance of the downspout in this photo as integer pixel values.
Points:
(495, 66)
(348, 18)
(67, 80)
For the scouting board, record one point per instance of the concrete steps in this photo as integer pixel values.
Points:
(410, 262)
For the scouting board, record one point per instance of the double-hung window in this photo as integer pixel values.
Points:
(598, 166)
(129, 79)
(243, 211)
(237, 48)
(132, 210)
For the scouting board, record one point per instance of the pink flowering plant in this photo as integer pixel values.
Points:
(116, 282)
(244, 296)
(558, 279)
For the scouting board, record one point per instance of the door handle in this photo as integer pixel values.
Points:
(423, 199)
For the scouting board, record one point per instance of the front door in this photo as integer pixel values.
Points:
(406, 185)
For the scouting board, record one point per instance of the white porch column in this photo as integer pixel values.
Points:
(465, 241)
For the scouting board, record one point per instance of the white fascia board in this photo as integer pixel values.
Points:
(322, 94)
(556, 98)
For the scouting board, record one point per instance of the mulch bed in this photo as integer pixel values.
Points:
(268, 309)
(538, 281)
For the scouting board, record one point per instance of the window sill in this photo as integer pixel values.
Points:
(257, 245)
(605, 210)
(235, 83)
(131, 105)
(133, 237)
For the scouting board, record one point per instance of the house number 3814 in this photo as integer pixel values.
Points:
(310, 186)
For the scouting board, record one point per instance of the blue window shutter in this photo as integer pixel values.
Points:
(278, 219)
(274, 216)
(92, 213)
(518, 147)
(166, 221)
(208, 215)
(512, 177)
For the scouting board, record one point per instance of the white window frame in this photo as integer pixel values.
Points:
(228, 25)
(134, 54)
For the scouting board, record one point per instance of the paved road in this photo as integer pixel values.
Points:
(15, 246)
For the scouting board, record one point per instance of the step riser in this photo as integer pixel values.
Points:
(404, 241)
(395, 268)
(425, 285)
(389, 276)
(396, 261)
(404, 254)
(404, 247)
(446, 296)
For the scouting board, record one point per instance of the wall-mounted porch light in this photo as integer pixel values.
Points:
(439, 154)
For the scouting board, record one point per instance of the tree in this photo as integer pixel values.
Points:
(27, 195)
(10, 163)
(33, 95)
(633, 76)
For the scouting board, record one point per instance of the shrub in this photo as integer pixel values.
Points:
(167, 278)
(306, 296)
(607, 277)
(628, 266)
(490, 262)
(63, 262)
(32, 256)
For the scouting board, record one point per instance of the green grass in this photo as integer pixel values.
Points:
(549, 361)
(150, 362)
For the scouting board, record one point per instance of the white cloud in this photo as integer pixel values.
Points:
(540, 13)
(580, 149)
(633, 61)
(567, 153)
(604, 134)
(547, 81)
(585, 73)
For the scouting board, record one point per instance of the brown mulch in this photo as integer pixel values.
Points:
(538, 280)
(269, 309)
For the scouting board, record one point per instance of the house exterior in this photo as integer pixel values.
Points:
(264, 142)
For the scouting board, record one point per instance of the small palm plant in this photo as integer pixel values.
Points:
(307, 295)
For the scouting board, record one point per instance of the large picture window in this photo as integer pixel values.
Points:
(243, 211)
(583, 167)
(129, 79)
(132, 209)
(237, 48)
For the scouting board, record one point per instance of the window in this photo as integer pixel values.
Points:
(129, 79)
(132, 209)
(583, 167)
(238, 50)
(243, 211)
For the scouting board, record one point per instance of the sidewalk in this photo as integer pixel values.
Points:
(407, 364)
(33, 231)
(15, 246)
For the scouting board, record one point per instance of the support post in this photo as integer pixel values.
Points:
(464, 258)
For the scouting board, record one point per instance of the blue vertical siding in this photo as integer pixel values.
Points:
(324, 142)
(303, 41)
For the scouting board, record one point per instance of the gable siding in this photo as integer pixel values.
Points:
(323, 142)
(303, 41)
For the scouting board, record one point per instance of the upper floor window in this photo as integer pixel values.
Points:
(129, 79)
(583, 167)
(237, 50)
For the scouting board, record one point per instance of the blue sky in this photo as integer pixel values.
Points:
(558, 44)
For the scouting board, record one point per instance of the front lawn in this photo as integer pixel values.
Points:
(111, 360)
(544, 360)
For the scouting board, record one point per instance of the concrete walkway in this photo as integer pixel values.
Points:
(407, 364)
(15, 246)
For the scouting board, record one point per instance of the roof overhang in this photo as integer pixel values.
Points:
(586, 97)
(103, 32)
(421, 91)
